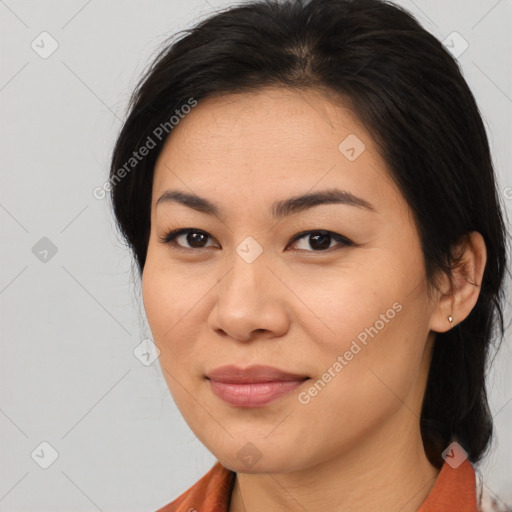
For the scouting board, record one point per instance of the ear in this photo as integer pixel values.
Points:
(459, 292)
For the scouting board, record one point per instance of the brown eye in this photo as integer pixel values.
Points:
(195, 238)
(321, 240)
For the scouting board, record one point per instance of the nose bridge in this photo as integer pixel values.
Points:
(249, 250)
(245, 303)
(248, 268)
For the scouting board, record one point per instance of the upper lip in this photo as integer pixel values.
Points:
(257, 373)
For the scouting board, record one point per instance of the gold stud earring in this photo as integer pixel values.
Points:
(450, 319)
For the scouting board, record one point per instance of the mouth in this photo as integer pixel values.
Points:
(254, 386)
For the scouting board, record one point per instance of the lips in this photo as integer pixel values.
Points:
(235, 375)
(255, 386)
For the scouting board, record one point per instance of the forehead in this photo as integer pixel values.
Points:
(268, 141)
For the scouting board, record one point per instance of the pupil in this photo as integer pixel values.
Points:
(194, 238)
(325, 242)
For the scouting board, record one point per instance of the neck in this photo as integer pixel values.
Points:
(389, 472)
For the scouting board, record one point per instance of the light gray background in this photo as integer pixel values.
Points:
(70, 324)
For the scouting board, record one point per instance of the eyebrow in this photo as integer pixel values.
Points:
(278, 210)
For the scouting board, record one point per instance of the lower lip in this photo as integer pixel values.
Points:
(254, 394)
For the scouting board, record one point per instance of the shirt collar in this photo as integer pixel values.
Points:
(454, 490)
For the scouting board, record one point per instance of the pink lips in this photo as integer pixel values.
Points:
(254, 386)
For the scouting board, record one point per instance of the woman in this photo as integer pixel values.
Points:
(322, 254)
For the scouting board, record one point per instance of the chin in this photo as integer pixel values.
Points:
(274, 466)
(249, 459)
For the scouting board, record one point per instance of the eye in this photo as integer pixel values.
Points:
(319, 240)
(194, 237)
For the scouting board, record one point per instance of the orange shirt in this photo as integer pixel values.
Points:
(454, 491)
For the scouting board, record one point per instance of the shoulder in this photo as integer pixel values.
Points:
(211, 493)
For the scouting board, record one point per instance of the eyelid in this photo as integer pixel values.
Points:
(170, 237)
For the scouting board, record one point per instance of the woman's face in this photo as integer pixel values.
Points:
(351, 317)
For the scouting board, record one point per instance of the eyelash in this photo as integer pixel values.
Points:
(169, 238)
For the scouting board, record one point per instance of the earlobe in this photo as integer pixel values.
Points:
(462, 287)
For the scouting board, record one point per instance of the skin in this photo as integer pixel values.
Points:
(298, 307)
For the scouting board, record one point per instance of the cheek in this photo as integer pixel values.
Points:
(157, 293)
(175, 303)
(166, 305)
(380, 326)
(362, 383)
(354, 308)
(384, 364)
(166, 297)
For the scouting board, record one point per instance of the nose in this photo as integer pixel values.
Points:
(250, 302)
